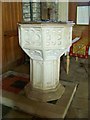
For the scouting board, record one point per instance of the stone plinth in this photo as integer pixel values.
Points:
(45, 43)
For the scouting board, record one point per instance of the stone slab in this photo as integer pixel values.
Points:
(18, 114)
(41, 109)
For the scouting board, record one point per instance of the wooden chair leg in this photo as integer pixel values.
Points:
(76, 59)
(68, 63)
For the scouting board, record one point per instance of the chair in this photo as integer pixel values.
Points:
(80, 46)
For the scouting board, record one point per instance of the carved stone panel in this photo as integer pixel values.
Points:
(31, 37)
(44, 41)
(53, 37)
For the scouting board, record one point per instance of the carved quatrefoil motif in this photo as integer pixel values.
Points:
(53, 37)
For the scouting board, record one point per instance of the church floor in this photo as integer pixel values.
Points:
(78, 73)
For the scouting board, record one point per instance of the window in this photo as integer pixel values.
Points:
(83, 15)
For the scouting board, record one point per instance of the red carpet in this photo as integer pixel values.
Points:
(13, 82)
